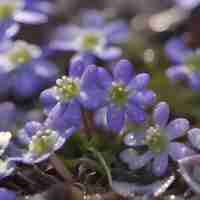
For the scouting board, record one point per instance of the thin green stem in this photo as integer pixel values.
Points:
(103, 163)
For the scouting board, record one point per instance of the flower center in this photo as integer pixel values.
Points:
(155, 140)
(6, 10)
(43, 141)
(21, 56)
(193, 62)
(67, 88)
(90, 41)
(119, 94)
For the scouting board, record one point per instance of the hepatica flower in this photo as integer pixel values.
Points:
(39, 142)
(126, 95)
(24, 70)
(13, 12)
(94, 36)
(187, 62)
(72, 93)
(6, 166)
(160, 142)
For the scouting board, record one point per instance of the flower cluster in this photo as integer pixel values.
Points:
(88, 99)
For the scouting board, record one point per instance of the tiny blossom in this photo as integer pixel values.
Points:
(126, 96)
(13, 12)
(95, 37)
(70, 94)
(24, 69)
(39, 142)
(186, 62)
(159, 139)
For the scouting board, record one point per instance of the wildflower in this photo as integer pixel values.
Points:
(159, 140)
(186, 66)
(24, 70)
(95, 37)
(13, 12)
(126, 96)
(66, 99)
(39, 142)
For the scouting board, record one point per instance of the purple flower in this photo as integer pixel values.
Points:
(94, 37)
(126, 96)
(24, 70)
(13, 12)
(66, 99)
(7, 194)
(39, 142)
(186, 66)
(159, 140)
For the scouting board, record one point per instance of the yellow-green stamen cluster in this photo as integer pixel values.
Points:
(155, 140)
(119, 94)
(90, 41)
(66, 88)
(6, 10)
(21, 56)
(43, 141)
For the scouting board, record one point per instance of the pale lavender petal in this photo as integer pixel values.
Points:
(179, 151)
(135, 114)
(63, 46)
(140, 82)
(177, 128)
(48, 99)
(76, 67)
(89, 77)
(137, 162)
(109, 53)
(92, 18)
(29, 17)
(194, 137)
(144, 98)
(123, 72)
(116, 31)
(104, 78)
(115, 118)
(160, 164)
(161, 114)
